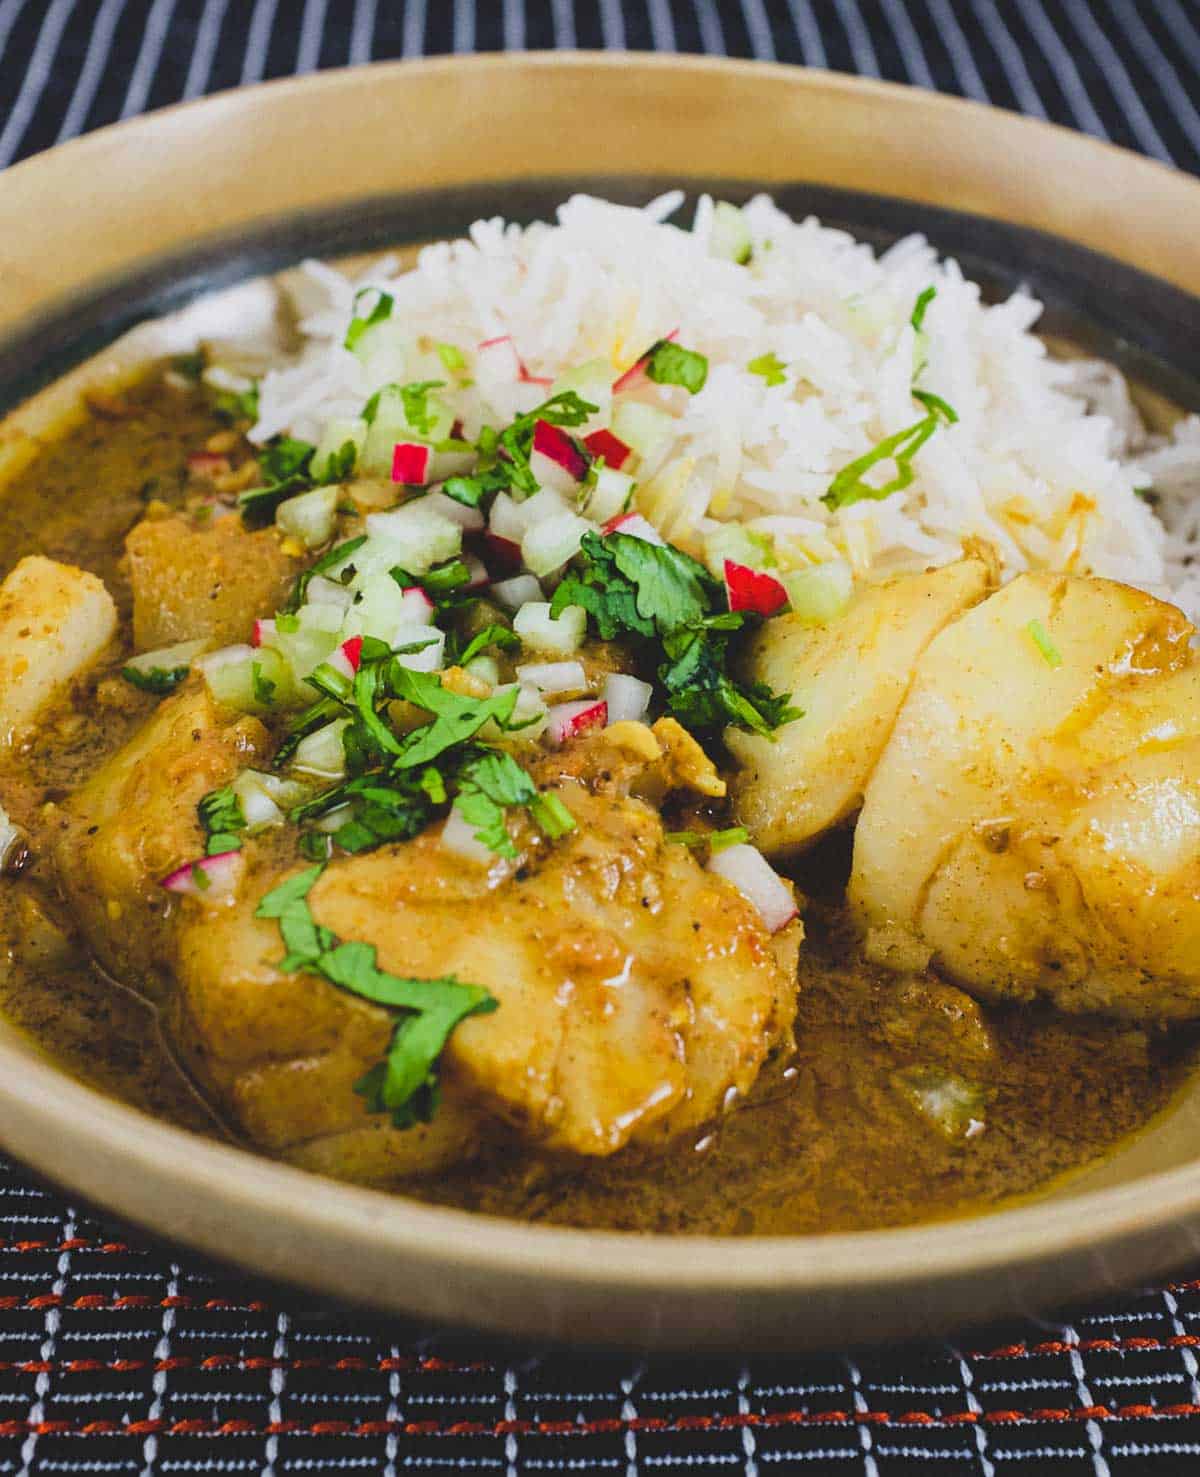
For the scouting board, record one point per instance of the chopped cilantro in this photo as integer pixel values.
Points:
(848, 486)
(158, 680)
(452, 358)
(1041, 639)
(671, 364)
(488, 786)
(492, 635)
(405, 1082)
(921, 306)
(770, 367)
(284, 464)
(220, 813)
(552, 816)
(415, 399)
(378, 314)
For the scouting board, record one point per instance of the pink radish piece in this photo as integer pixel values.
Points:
(611, 448)
(347, 657)
(568, 720)
(635, 526)
(418, 609)
(478, 572)
(553, 442)
(635, 376)
(410, 463)
(750, 589)
(264, 632)
(754, 877)
(208, 876)
(506, 554)
(627, 698)
(207, 464)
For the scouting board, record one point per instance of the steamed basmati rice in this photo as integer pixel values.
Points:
(1045, 462)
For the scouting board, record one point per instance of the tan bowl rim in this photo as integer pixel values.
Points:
(46, 1103)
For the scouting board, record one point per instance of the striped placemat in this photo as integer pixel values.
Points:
(115, 1358)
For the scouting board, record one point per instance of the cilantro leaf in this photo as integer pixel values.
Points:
(405, 1083)
(848, 486)
(415, 399)
(669, 363)
(284, 463)
(770, 367)
(456, 718)
(329, 560)
(378, 314)
(488, 786)
(158, 680)
(220, 813)
(492, 635)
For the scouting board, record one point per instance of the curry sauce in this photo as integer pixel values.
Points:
(903, 1100)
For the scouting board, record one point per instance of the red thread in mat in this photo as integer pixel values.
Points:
(412, 1364)
(339, 1427)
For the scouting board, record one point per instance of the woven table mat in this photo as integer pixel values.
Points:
(121, 1357)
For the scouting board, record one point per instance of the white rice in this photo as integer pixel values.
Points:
(1043, 461)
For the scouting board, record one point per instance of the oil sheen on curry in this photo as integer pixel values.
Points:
(618, 896)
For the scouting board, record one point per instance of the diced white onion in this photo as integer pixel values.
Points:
(310, 516)
(419, 536)
(470, 519)
(628, 698)
(321, 752)
(458, 836)
(540, 631)
(550, 473)
(333, 820)
(258, 807)
(754, 877)
(10, 834)
(610, 495)
(327, 592)
(486, 668)
(554, 677)
(518, 591)
(429, 658)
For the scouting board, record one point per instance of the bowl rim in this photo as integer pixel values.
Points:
(46, 1107)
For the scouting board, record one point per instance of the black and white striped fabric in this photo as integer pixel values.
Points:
(1128, 70)
(119, 1359)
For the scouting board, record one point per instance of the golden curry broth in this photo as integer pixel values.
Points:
(827, 1140)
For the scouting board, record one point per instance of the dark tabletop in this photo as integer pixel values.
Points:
(118, 1357)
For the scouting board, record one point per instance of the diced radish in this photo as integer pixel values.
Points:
(750, 589)
(553, 442)
(505, 553)
(611, 448)
(469, 519)
(458, 836)
(518, 591)
(497, 358)
(550, 475)
(264, 632)
(553, 678)
(568, 720)
(754, 877)
(417, 608)
(636, 376)
(410, 463)
(347, 657)
(478, 571)
(540, 631)
(635, 526)
(207, 464)
(627, 698)
(208, 876)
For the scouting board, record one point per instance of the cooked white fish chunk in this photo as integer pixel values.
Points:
(1033, 825)
(55, 620)
(849, 677)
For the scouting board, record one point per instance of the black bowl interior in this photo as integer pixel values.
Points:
(1149, 328)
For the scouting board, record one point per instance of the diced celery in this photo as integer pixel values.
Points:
(338, 434)
(548, 545)
(310, 517)
(820, 594)
(645, 429)
(730, 237)
(256, 683)
(391, 424)
(609, 494)
(743, 545)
